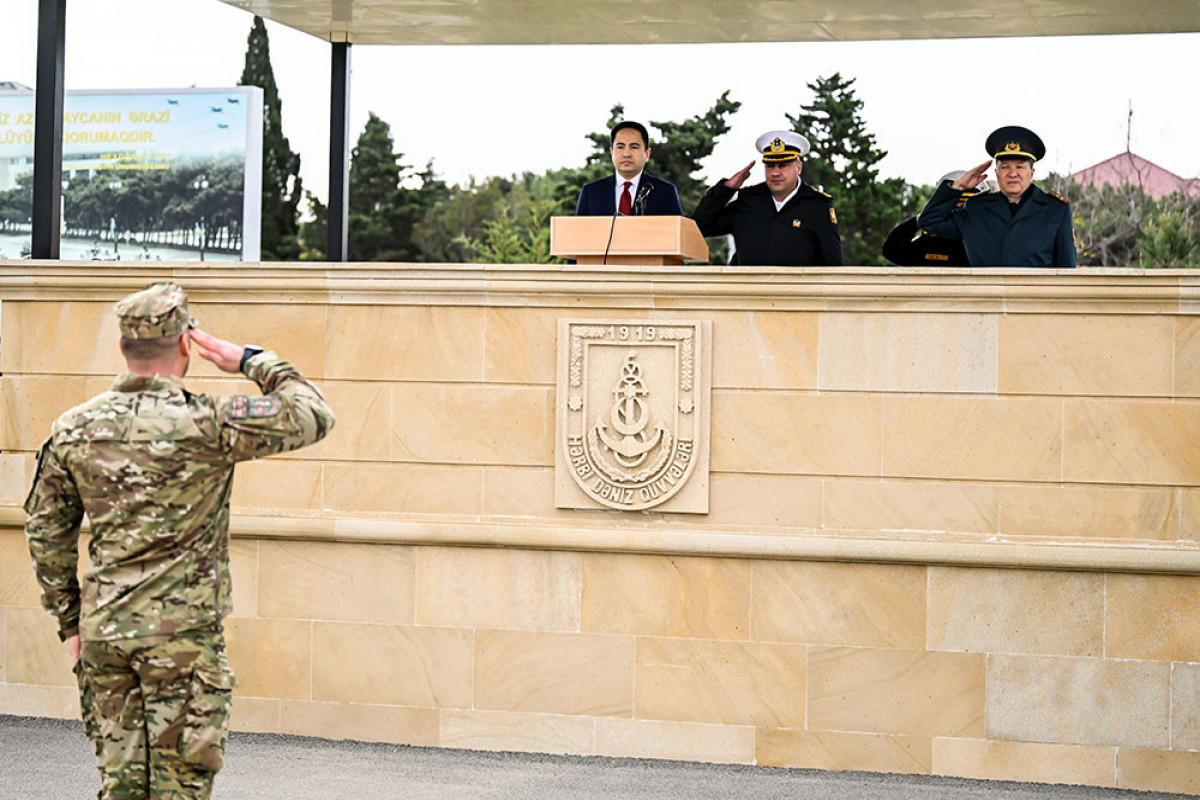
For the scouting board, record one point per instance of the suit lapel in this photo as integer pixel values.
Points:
(610, 191)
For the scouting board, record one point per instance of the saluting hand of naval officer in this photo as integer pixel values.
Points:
(740, 176)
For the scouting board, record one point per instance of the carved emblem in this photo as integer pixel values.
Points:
(631, 418)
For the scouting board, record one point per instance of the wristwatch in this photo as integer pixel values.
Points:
(248, 352)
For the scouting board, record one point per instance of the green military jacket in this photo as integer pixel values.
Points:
(151, 465)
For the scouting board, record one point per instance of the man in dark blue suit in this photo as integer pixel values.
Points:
(632, 191)
(1018, 226)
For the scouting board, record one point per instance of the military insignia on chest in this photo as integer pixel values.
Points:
(795, 223)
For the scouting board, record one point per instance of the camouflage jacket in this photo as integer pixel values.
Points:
(152, 467)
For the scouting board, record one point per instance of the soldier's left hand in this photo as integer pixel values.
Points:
(73, 647)
(226, 355)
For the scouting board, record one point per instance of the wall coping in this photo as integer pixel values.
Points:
(994, 290)
(847, 546)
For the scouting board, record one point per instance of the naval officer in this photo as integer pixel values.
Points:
(782, 222)
(1018, 226)
(909, 246)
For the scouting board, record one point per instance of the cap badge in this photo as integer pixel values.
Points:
(1012, 147)
(777, 145)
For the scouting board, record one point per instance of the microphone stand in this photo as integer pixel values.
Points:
(611, 227)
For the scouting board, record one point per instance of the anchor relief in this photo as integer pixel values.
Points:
(631, 414)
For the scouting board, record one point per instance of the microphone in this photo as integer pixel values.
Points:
(639, 202)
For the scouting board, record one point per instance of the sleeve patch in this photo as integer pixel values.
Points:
(832, 215)
(243, 407)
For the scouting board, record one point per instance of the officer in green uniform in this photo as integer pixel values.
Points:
(783, 222)
(151, 465)
(1017, 226)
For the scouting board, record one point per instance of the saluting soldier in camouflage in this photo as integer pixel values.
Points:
(151, 465)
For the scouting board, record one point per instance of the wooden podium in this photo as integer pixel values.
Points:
(644, 241)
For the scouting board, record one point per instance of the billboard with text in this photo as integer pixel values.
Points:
(147, 174)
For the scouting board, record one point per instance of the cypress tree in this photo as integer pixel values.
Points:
(383, 212)
(281, 185)
(844, 163)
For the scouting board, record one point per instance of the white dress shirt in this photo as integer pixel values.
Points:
(635, 180)
(779, 204)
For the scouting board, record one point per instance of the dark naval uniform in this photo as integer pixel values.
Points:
(909, 246)
(1039, 234)
(804, 233)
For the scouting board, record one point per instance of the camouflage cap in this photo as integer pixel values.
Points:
(159, 310)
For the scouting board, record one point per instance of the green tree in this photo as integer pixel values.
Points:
(16, 204)
(519, 230)
(1108, 222)
(1172, 237)
(281, 185)
(844, 163)
(313, 231)
(458, 219)
(383, 210)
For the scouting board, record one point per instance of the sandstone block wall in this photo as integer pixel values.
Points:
(954, 523)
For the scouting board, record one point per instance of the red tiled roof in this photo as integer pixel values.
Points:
(1127, 168)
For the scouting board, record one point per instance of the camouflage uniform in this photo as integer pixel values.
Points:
(152, 467)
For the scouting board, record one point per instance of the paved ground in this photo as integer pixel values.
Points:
(50, 760)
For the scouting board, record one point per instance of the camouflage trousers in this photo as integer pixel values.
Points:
(156, 710)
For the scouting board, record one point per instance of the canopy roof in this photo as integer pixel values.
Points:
(661, 21)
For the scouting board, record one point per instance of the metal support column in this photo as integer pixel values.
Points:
(337, 242)
(48, 128)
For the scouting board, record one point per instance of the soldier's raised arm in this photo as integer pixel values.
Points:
(291, 412)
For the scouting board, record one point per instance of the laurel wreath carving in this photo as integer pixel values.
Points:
(577, 337)
(665, 451)
(687, 356)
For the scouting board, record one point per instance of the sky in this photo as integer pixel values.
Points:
(502, 110)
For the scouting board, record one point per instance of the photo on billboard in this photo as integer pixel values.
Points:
(149, 175)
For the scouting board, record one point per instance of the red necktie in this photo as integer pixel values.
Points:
(626, 201)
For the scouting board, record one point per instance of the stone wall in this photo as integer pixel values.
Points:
(954, 522)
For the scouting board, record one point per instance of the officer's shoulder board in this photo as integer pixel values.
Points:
(823, 194)
(1058, 196)
(244, 407)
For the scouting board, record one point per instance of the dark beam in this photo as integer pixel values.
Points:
(337, 243)
(48, 128)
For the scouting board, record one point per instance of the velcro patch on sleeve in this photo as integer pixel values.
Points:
(264, 407)
(239, 406)
(243, 407)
